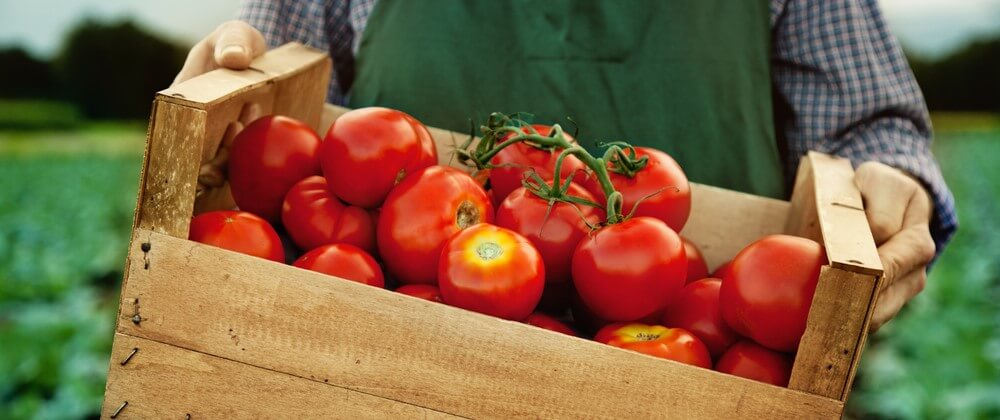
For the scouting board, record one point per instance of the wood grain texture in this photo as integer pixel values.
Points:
(803, 220)
(847, 236)
(171, 171)
(838, 324)
(374, 341)
(164, 381)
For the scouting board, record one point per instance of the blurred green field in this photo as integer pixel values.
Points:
(67, 201)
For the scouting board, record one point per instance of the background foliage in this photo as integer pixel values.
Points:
(71, 133)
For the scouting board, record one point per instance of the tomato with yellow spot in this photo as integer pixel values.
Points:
(491, 270)
(676, 344)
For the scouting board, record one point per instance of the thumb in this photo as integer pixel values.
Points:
(237, 44)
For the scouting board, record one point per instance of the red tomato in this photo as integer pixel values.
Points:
(421, 213)
(676, 344)
(238, 231)
(266, 159)
(768, 292)
(723, 271)
(697, 310)
(585, 319)
(345, 261)
(510, 164)
(491, 270)
(555, 233)
(423, 291)
(661, 185)
(369, 150)
(629, 270)
(697, 268)
(550, 323)
(749, 360)
(314, 217)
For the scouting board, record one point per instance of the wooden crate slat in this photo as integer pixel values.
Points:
(313, 326)
(837, 326)
(164, 381)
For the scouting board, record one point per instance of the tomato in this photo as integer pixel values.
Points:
(548, 322)
(491, 270)
(421, 213)
(587, 321)
(369, 150)
(723, 271)
(237, 231)
(676, 344)
(345, 261)
(555, 233)
(423, 291)
(697, 310)
(511, 163)
(266, 159)
(749, 360)
(661, 185)
(629, 270)
(697, 268)
(314, 217)
(768, 292)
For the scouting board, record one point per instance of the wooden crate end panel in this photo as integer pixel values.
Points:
(312, 326)
(163, 381)
(835, 331)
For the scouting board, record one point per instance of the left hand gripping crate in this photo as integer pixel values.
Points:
(207, 333)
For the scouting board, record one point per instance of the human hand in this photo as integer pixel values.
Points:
(232, 45)
(899, 212)
(213, 191)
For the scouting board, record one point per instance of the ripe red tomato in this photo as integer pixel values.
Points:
(423, 212)
(369, 150)
(697, 310)
(768, 292)
(749, 360)
(491, 270)
(697, 268)
(676, 344)
(266, 159)
(723, 271)
(314, 217)
(345, 261)
(548, 322)
(661, 185)
(555, 233)
(512, 162)
(423, 291)
(629, 270)
(237, 231)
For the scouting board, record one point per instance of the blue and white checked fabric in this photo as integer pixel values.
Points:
(842, 84)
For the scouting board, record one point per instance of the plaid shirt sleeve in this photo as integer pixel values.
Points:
(842, 86)
(322, 24)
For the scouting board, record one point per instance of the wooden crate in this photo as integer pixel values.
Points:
(208, 333)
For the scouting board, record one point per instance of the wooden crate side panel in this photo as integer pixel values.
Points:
(803, 220)
(164, 381)
(833, 341)
(171, 173)
(317, 327)
(301, 95)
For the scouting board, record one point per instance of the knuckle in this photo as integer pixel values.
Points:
(926, 248)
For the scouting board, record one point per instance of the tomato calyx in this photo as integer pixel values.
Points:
(622, 158)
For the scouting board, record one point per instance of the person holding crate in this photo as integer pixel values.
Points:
(737, 92)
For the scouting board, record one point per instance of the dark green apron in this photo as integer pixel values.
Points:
(691, 78)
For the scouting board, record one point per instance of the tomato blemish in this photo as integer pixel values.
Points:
(466, 215)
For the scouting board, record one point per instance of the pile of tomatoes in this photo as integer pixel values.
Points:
(544, 233)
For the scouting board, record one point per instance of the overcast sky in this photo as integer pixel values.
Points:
(929, 27)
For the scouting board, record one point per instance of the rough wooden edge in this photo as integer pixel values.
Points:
(158, 380)
(223, 84)
(298, 322)
(835, 332)
(847, 236)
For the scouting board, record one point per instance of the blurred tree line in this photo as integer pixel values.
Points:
(107, 70)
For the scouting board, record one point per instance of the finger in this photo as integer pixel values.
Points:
(892, 299)
(232, 130)
(237, 44)
(920, 209)
(886, 192)
(250, 112)
(907, 250)
(198, 61)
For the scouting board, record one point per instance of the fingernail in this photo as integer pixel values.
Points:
(233, 49)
